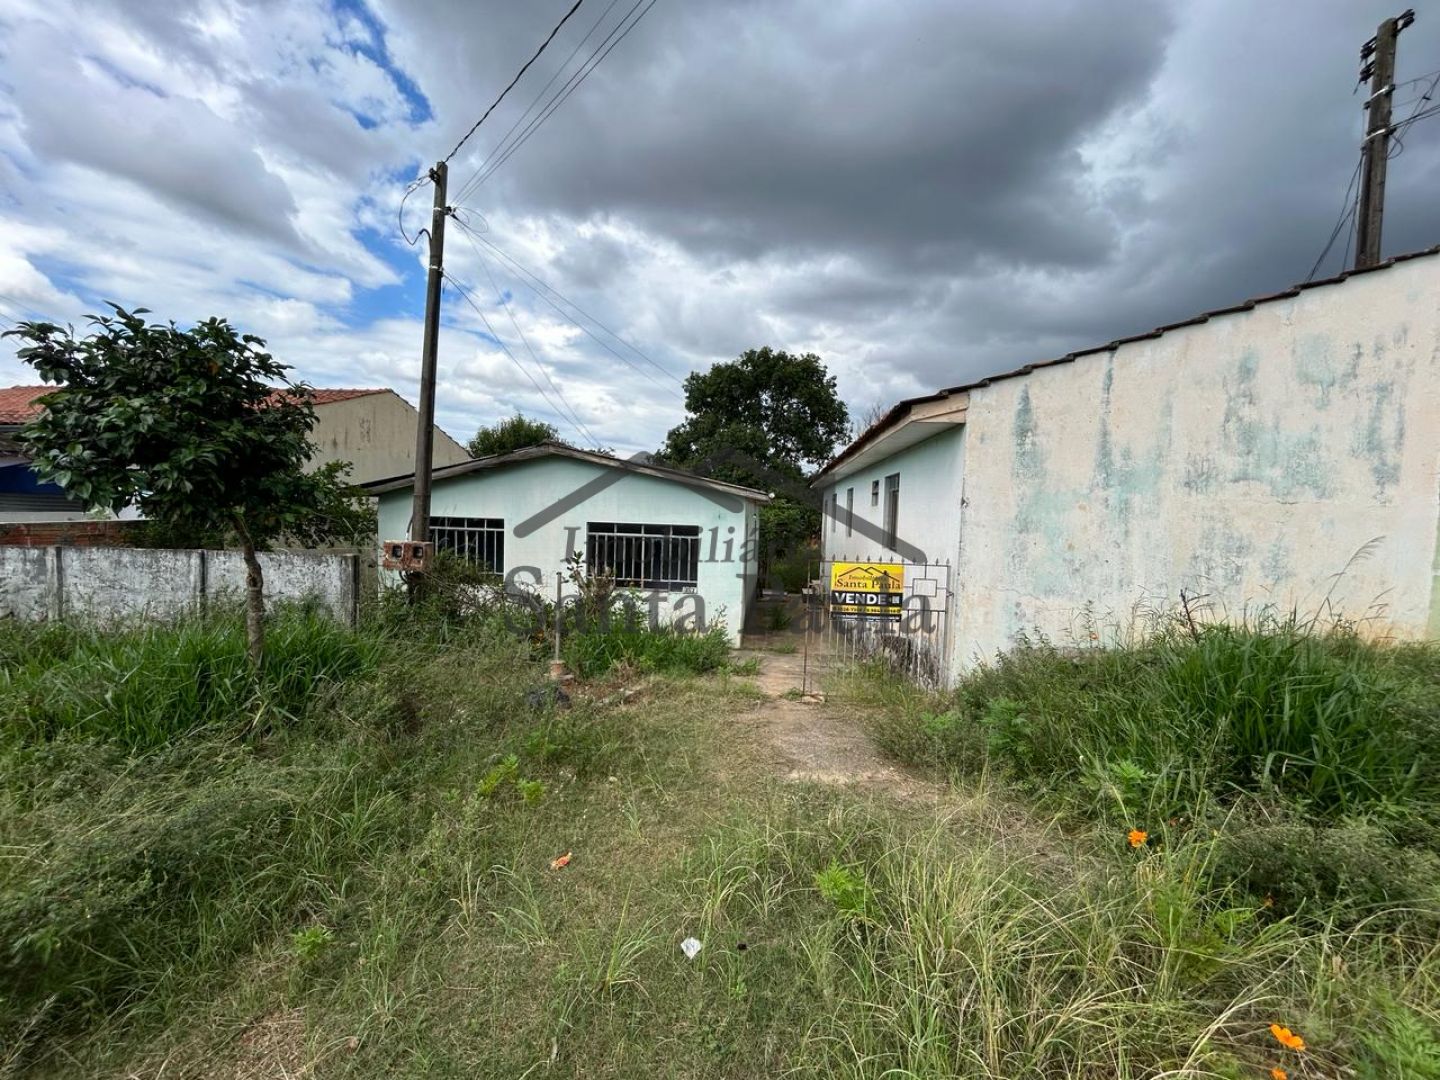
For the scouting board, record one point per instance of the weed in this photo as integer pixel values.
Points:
(311, 941)
(844, 886)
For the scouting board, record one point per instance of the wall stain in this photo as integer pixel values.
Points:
(1291, 464)
(1277, 562)
(1220, 557)
(1317, 367)
(1381, 441)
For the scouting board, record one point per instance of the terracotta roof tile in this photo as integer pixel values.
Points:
(17, 403)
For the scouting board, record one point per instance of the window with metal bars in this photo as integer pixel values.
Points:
(477, 540)
(644, 556)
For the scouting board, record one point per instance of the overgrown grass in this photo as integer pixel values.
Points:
(594, 651)
(1313, 751)
(1336, 723)
(150, 684)
(366, 890)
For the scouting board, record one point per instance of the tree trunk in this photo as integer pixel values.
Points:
(254, 597)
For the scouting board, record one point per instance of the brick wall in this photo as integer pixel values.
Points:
(67, 533)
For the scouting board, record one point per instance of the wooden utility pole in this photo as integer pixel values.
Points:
(1378, 63)
(425, 433)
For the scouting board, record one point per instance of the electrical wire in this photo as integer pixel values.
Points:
(563, 94)
(558, 413)
(410, 189)
(524, 68)
(536, 100)
(579, 424)
(472, 236)
(1417, 113)
(1346, 211)
(542, 285)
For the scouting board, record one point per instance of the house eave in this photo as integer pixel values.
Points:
(543, 450)
(910, 422)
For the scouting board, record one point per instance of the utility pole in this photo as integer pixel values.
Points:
(425, 433)
(1378, 64)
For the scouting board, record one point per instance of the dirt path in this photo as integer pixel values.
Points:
(808, 738)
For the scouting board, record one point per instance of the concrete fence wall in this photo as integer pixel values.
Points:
(106, 583)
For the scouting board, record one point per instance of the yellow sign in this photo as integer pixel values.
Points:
(867, 590)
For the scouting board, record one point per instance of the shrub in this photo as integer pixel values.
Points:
(1320, 716)
(663, 649)
(146, 686)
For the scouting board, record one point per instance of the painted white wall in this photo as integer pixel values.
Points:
(1285, 456)
(516, 492)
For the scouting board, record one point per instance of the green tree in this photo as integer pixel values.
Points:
(511, 434)
(766, 413)
(199, 430)
(781, 410)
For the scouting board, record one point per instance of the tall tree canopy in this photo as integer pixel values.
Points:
(778, 408)
(781, 412)
(511, 434)
(200, 430)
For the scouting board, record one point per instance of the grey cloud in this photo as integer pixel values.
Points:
(177, 148)
(1001, 182)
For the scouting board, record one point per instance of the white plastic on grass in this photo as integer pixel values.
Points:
(690, 946)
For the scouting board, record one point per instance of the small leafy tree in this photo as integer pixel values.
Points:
(782, 413)
(199, 430)
(511, 434)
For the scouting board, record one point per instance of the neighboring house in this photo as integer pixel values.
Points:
(686, 543)
(23, 497)
(373, 429)
(1281, 454)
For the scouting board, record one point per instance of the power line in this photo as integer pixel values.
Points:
(472, 236)
(1347, 209)
(543, 46)
(563, 94)
(526, 342)
(1417, 113)
(536, 100)
(555, 410)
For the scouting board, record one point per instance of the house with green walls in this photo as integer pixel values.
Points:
(685, 546)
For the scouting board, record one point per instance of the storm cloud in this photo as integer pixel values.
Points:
(920, 192)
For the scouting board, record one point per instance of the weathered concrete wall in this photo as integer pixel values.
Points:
(117, 583)
(105, 583)
(1282, 457)
(519, 491)
(328, 579)
(376, 434)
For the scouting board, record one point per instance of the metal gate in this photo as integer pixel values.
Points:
(903, 626)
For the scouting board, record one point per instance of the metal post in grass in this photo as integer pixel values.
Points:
(557, 666)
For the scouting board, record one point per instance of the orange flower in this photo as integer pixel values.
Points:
(1287, 1038)
(1138, 837)
(1278, 1073)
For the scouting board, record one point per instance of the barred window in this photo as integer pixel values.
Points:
(644, 556)
(477, 540)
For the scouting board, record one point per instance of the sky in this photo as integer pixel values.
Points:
(922, 193)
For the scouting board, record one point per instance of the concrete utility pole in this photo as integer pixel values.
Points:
(1378, 64)
(425, 434)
